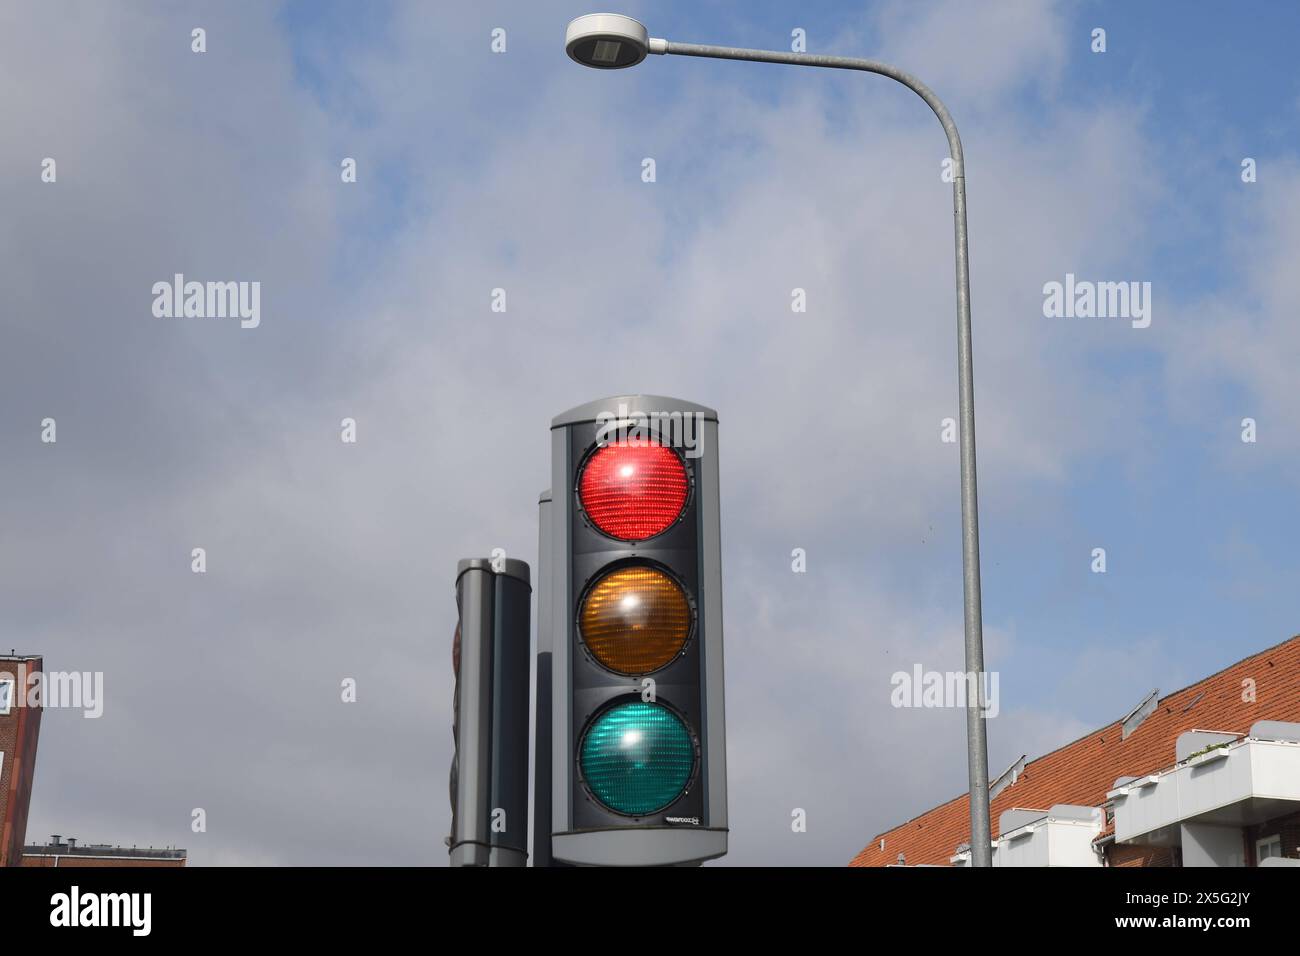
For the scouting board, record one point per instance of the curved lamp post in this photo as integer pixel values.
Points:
(610, 41)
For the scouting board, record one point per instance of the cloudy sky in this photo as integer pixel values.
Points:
(518, 170)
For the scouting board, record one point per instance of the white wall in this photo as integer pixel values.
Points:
(1210, 844)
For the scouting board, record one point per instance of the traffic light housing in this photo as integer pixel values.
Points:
(638, 767)
(489, 770)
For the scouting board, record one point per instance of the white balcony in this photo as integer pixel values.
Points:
(1231, 783)
(1061, 836)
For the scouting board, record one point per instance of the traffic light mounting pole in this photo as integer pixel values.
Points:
(976, 740)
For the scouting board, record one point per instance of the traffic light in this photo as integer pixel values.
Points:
(633, 564)
(490, 661)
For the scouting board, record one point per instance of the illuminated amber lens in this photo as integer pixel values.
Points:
(635, 620)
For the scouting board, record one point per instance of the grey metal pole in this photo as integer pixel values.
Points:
(976, 741)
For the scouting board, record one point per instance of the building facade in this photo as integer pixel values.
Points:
(20, 724)
(19, 729)
(1207, 776)
(60, 852)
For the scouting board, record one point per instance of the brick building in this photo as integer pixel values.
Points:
(60, 852)
(1206, 776)
(19, 728)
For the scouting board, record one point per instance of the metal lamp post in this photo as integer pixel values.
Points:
(612, 41)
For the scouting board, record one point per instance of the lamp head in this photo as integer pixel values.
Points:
(606, 41)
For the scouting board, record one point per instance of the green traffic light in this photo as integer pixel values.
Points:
(637, 758)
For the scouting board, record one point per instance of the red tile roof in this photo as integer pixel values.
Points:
(1083, 771)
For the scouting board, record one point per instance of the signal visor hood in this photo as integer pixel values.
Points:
(615, 405)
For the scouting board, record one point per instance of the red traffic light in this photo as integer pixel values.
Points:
(633, 491)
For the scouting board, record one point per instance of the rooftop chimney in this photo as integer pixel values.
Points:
(56, 840)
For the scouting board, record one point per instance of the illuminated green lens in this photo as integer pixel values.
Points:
(637, 758)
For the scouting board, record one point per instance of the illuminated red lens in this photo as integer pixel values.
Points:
(633, 492)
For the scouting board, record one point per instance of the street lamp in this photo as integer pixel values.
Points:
(610, 41)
